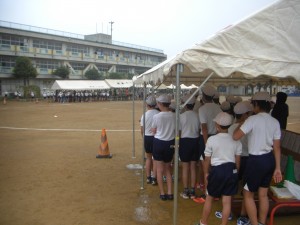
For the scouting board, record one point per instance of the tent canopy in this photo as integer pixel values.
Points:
(79, 85)
(264, 46)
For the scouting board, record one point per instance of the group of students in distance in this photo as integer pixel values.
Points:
(235, 140)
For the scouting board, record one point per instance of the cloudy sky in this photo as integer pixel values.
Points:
(170, 25)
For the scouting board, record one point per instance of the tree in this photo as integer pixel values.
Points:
(24, 69)
(62, 72)
(117, 76)
(93, 74)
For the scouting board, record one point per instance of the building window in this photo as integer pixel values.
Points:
(7, 62)
(79, 66)
(47, 44)
(46, 64)
(78, 49)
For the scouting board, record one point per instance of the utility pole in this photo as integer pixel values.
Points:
(111, 24)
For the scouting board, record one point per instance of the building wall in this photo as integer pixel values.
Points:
(49, 51)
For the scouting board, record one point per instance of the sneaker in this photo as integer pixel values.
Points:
(149, 180)
(154, 181)
(200, 186)
(163, 197)
(200, 199)
(170, 197)
(185, 194)
(242, 220)
(192, 193)
(218, 214)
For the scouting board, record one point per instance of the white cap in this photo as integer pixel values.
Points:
(209, 90)
(243, 107)
(164, 99)
(151, 100)
(225, 106)
(223, 119)
(262, 96)
(172, 105)
(231, 99)
(186, 97)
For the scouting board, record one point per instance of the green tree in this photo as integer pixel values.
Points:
(117, 76)
(93, 74)
(24, 69)
(62, 72)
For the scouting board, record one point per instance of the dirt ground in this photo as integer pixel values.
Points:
(49, 173)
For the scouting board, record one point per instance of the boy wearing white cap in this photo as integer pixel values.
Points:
(242, 111)
(222, 160)
(207, 113)
(263, 133)
(163, 128)
(148, 138)
(189, 147)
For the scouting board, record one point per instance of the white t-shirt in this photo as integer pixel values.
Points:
(148, 120)
(164, 122)
(207, 113)
(189, 124)
(243, 140)
(261, 129)
(222, 149)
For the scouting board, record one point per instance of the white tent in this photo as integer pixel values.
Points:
(264, 46)
(79, 85)
(119, 83)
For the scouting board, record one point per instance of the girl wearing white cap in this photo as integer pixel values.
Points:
(163, 128)
(148, 138)
(263, 133)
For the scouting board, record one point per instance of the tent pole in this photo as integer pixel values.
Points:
(178, 71)
(192, 95)
(144, 128)
(133, 122)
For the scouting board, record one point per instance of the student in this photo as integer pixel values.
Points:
(222, 160)
(207, 113)
(163, 128)
(263, 133)
(148, 138)
(189, 147)
(242, 111)
(281, 109)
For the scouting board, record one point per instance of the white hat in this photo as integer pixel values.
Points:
(217, 95)
(262, 96)
(164, 99)
(186, 97)
(209, 90)
(231, 99)
(151, 100)
(193, 90)
(172, 105)
(223, 119)
(243, 107)
(225, 106)
(238, 99)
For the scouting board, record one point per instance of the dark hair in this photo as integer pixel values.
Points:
(263, 105)
(238, 116)
(224, 127)
(208, 98)
(166, 104)
(189, 106)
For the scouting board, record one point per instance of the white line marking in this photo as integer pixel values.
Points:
(71, 130)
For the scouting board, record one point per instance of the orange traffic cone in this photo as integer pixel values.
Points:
(103, 148)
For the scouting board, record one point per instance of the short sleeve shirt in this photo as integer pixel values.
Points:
(148, 121)
(164, 122)
(222, 149)
(261, 129)
(207, 113)
(189, 124)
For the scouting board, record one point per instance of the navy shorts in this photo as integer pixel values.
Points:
(259, 171)
(243, 164)
(189, 149)
(148, 144)
(163, 150)
(222, 180)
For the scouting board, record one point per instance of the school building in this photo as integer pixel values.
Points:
(49, 49)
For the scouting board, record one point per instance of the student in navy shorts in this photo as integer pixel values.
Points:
(163, 128)
(148, 138)
(263, 133)
(221, 164)
(189, 128)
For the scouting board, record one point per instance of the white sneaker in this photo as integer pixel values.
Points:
(242, 220)
(218, 214)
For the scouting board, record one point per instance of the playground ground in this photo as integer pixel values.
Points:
(49, 174)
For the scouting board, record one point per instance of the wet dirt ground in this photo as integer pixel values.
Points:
(49, 173)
